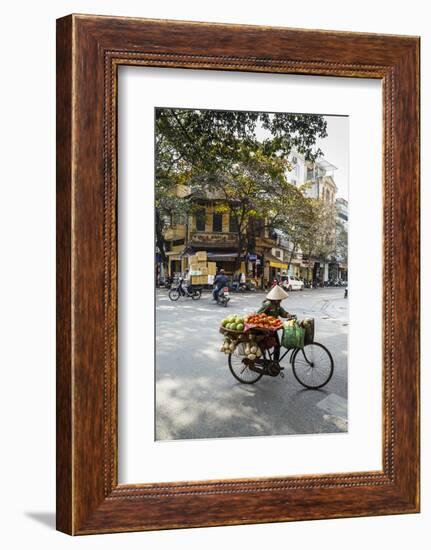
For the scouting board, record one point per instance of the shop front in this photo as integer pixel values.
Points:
(317, 272)
(175, 266)
(306, 270)
(333, 271)
(342, 271)
(228, 261)
(276, 268)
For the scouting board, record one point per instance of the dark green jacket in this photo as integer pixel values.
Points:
(270, 308)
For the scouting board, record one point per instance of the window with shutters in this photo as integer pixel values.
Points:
(200, 219)
(217, 222)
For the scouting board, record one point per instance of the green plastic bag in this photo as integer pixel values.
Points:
(293, 337)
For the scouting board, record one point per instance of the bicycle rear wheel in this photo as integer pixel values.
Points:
(243, 369)
(313, 366)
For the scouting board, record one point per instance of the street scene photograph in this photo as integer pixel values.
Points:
(251, 273)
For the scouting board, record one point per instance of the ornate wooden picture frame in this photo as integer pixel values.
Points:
(89, 51)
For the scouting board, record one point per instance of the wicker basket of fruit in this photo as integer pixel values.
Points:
(232, 325)
(240, 339)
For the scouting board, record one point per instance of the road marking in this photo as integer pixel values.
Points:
(337, 421)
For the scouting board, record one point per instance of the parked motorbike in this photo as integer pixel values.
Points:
(250, 286)
(242, 287)
(237, 287)
(168, 282)
(187, 291)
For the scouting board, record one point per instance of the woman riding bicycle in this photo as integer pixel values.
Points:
(272, 306)
(312, 362)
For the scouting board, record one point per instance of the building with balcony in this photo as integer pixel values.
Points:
(342, 207)
(210, 227)
(269, 254)
(316, 179)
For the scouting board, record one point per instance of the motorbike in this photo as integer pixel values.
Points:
(223, 296)
(187, 291)
(168, 282)
(237, 288)
(249, 286)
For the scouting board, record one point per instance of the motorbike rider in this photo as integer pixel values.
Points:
(272, 306)
(185, 285)
(220, 281)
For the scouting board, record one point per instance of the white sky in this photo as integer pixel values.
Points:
(336, 151)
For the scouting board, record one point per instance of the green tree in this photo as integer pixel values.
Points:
(170, 205)
(341, 241)
(317, 238)
(219, 154)
(255, 189)
(212, 141)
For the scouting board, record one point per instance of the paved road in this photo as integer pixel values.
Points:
(197, 396)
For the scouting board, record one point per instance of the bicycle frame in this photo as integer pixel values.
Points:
(294, 351)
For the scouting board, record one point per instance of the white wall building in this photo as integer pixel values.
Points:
(317, 180)
(342, 206)
(317, 176)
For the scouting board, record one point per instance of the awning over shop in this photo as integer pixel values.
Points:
(275, 262)
(228, 255)
(222, 256)
(278, 265)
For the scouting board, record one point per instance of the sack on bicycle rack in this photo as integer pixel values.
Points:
(308, 326)
(293, 336)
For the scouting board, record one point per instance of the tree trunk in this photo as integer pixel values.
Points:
(291, 255)
(160, 241)
(239, 252)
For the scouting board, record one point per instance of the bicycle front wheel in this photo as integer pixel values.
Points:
(313, 366)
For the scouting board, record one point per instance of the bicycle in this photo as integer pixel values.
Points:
(312, 365)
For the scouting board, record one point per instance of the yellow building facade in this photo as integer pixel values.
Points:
(210, 228)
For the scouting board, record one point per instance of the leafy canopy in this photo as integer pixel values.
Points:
(239, 158)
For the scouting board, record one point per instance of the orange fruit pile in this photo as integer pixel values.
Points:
(262, 320)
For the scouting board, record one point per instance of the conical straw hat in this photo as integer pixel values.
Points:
(277, 293)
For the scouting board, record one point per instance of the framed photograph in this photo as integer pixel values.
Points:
(237, 274)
